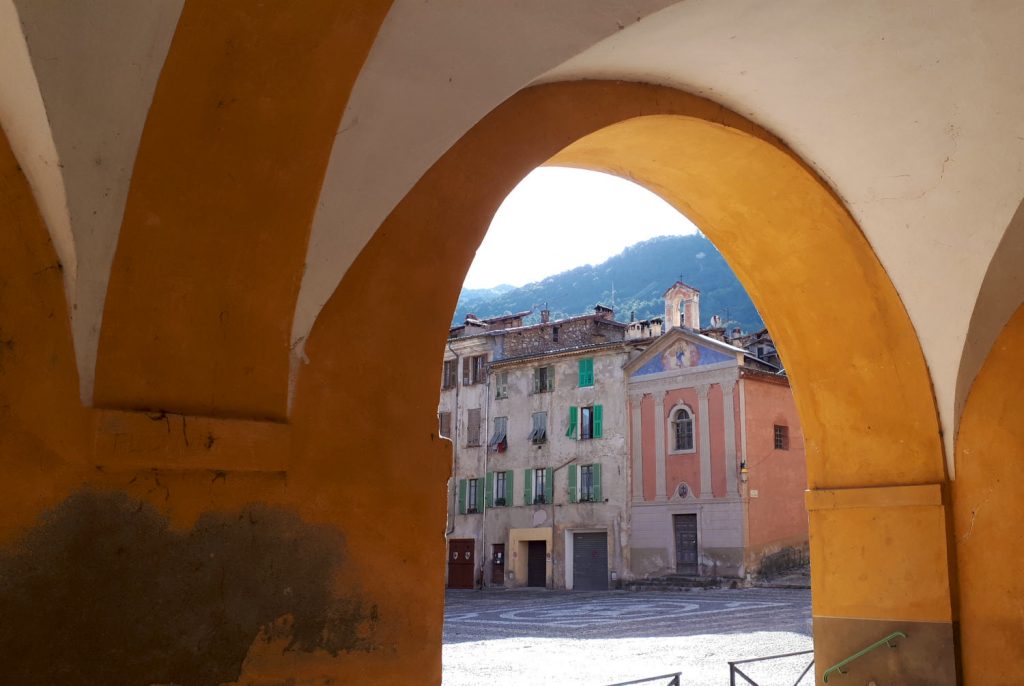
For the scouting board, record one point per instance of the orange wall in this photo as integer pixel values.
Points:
(680, 467)
(988, 500)
(336, 476)
(778, 514)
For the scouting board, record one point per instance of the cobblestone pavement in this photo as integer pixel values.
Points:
(552, 637)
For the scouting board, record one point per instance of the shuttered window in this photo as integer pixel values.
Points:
(448, 373)
(499, 439)
(501, 488)
(462, 496)
(474, 496)
(527, 486)
(591, 422)
(543, 379)
(539, 433)
(473, 427)
(474, 369)
(585, 483)
(586, 368)
(501, 385)
(444, 424)
(571, 431)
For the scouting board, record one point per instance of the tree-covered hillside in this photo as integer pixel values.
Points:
(639, 276)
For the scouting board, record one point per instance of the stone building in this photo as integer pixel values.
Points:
(540, 495)
(717, 456)
(556, 484)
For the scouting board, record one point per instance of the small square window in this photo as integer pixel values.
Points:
(781, 437)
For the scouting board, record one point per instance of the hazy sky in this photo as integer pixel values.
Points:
(559, 218)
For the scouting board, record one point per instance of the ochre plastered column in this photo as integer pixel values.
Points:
(988, 498)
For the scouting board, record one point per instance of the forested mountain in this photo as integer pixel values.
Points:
(632, 281)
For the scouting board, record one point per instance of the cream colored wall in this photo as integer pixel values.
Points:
(901, 107)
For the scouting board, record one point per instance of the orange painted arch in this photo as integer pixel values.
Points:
(988, 508)
(846, 339)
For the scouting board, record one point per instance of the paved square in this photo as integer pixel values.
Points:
(522, 636)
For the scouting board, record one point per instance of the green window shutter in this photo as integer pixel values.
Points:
(598, 421)
(598, 496)
(509, 490)
(489, 490)
(572, 483)
(462, 496)
(586, 372)
(527, 487)
(549, 485)
(571, 433)
(479, 496)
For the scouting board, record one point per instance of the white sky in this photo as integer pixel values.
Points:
(559, 218)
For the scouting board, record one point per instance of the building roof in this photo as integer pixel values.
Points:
(571, 351)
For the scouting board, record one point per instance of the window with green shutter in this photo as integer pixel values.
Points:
(509, 490)
(586, 372)
(572, 483)
(549, 485)
(598, 421)
(479, 496)
(527, 487)
(474, 496)
(590, 484)
(462, 496)
(571, 431)
(489, 490)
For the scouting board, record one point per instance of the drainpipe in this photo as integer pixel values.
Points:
(487, 455)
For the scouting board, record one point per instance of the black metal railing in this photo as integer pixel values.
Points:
(735, 671)
(674, 680)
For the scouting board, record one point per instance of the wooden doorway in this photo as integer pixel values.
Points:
(536, 564)
(498, 564)
(461, 563)
(685, 526)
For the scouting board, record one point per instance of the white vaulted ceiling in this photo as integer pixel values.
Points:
(913, 112)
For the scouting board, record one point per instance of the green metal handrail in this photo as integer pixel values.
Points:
(838, 667)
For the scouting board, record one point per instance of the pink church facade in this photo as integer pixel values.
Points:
(717, 460)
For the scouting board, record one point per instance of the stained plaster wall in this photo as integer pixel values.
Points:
(559, 451)
(777, 517)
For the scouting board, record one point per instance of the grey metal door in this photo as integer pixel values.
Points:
(590, 562)
(685, 526)
(536, 564)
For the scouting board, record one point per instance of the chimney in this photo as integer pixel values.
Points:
(736, 333)
(604, 312)
(545, 315)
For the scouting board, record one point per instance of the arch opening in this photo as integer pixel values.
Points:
(807, 267)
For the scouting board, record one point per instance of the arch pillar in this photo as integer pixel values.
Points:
(814, 278)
